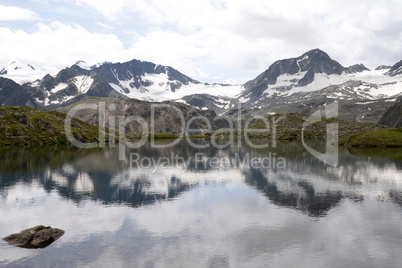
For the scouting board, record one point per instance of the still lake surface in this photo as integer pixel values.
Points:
(203, 207)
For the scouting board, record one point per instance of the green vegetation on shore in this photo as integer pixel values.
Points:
(27, 126)
(379, 138)
(289, 127)
(162, 136)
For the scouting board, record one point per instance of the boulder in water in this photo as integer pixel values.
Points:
(36, 237)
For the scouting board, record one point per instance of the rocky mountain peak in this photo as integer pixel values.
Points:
(83, 65)
(71, 72)
(383, 67)
(69, 85)
(357, 68)
(136, 75)
(395, 70)
(307, 65)
(318, 61)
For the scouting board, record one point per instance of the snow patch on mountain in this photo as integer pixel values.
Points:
(320, 81)
(287, 80)
(158, 88)
(59, 87)
(362, 85)
(287, 84)
(83, 83)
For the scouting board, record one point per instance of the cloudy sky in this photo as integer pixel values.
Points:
(209, 40)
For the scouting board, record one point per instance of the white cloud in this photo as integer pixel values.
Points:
(109, 9)
(57, 45)
(11, 13)
(214, 41)
(227, 35)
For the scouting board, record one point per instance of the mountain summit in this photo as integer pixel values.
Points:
(299, 84)
(300, 71)
(16, 67)
(21, 72)
(133, 77)
(395, 69)
(68, 84)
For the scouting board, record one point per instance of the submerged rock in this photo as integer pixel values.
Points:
(36, 237)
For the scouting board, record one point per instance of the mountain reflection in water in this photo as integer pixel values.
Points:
(95, 180)
(303, 183)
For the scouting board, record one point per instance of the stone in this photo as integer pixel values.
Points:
(36, 237)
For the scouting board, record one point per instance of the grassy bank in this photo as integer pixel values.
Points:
(290, 126)
(26, 126)
(379, 138)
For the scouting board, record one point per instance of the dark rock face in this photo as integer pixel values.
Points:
(395, 70)
(36, 237)
(393, 116)
(135, 70)
(12, 94)
(357, 68)
(311, 62)
(383, 67)
(163, 117)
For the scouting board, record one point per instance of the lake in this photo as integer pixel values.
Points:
(186, 207)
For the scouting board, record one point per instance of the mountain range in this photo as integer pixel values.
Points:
(298, 84)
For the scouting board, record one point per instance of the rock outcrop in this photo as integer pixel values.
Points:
(36, 237)
(393, 116)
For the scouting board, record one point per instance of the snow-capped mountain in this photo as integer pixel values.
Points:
(298, 84)
(303, 83)
(315, 72)
(16, 67)
(148, 81)
(83, 65)
(69, 84)
(133, 79)
(21, 72)
(314, 68)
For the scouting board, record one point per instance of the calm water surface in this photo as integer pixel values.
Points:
(208, 208)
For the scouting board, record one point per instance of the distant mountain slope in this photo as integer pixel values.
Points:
(12, 93)
(167, 117)
(219, 104)
(393, 116)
